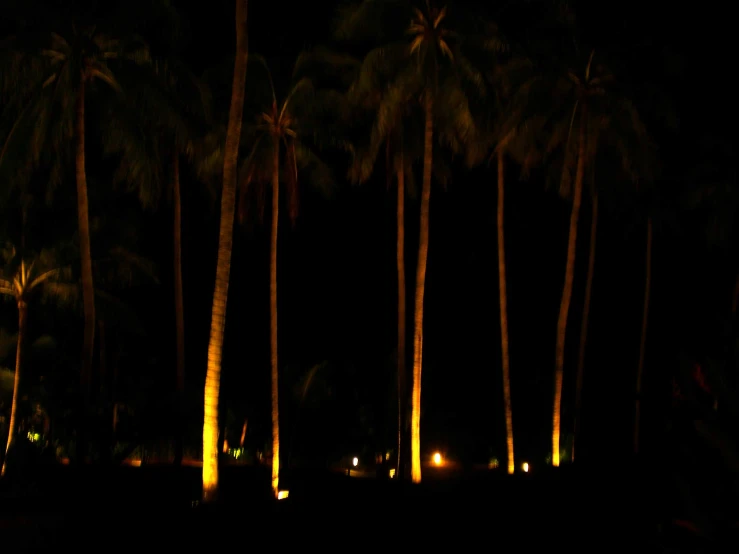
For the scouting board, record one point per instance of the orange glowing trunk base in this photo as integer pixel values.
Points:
(276, 470)
(223, 263)
(210, 436)
(416, 418)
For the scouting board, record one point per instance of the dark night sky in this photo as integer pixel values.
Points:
(337, 266)
(337, 271)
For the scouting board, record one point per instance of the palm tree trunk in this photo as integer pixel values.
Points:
(564, 308)
(401, 312)
(273, 317)
(643, 339)
(584, 323)
(178, 309)
(88, 289)
(22, 316)
(503, 301)
(223, 264)
(423, 248)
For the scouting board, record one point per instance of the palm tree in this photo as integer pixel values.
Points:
(281, 124)
(375, 119)
(389, 128)
(73, 62)
(223, 264)
(161, 122)
(502, 134)
(586, 113)
(580, 110)
(432, 70)
(25, 280)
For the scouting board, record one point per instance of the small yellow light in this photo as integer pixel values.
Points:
(437, 459)
(525, 467)
(392, 473)
(355, 461)
(281, 495)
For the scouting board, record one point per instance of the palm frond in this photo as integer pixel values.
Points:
(291, 178)
(141, 164)
(371, 20)
(7, 288)
(379, 67)
(326, 66)
(61, 294)
(318, 173)
(389, 111)
(122, 268)
(455, 121)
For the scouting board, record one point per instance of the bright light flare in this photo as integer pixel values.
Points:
(355, 461)
(281, 495)
(437, 459)
(525, 467)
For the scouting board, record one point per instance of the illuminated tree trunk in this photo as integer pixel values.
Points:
(584, 323)
(564, 308)
(88, 289)
(22, 315)
(503, 301)
(178, 308)
(223, 264)
(423, 248)
(643, 339)
(401, 311)
(273, 317)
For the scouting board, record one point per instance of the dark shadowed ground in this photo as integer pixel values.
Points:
(155, 509)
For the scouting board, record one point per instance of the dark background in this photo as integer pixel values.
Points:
(337, 280)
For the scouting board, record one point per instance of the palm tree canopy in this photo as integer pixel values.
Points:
(548, 107)
(166, 111)
(411, 49)
(25, 276)
(38, 121)
(289, 124)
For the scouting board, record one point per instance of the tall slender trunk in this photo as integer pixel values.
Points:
(643, 339)
(423, 248)
(503, 301)
(22, 317)
(273, 317)
(584, 323)
(564, 308)
(178, 309)
(401, 311)
(223, 264)
(88, 289)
